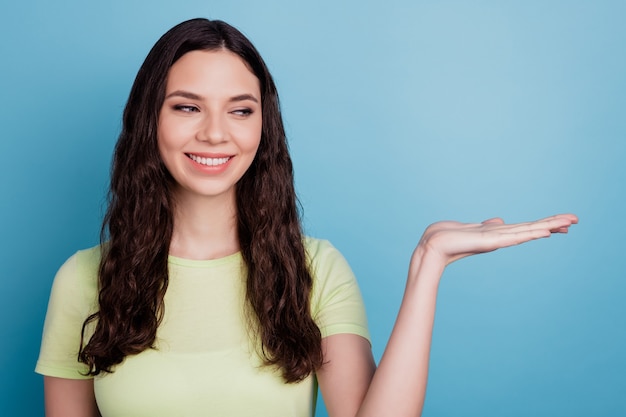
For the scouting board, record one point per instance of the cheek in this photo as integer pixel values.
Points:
(166, 148)
(255, 137)
(168, 137)
(161, 146)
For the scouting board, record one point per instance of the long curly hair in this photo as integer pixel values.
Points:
(138, 225)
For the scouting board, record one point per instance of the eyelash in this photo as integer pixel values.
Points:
(192, 109)
(186, 109)
(243, 112)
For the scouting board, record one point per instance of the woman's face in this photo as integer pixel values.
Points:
(210, 124)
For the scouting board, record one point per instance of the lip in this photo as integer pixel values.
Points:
(209, 154)
(209, 169)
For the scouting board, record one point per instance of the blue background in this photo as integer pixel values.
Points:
(399, 113)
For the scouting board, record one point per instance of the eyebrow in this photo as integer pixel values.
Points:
(193, 96)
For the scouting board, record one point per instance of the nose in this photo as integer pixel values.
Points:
(212, 129)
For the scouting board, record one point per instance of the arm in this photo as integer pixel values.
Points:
(346, 374)
(392, 390)
(69, 397)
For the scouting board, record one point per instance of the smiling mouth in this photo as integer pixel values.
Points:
(210, 162)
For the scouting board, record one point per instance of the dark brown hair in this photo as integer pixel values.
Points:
(137, 228)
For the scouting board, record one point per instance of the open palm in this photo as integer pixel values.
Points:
(451, 240)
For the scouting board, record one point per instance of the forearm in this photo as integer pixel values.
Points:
(399, 384)
(398, 387)
(70, 397)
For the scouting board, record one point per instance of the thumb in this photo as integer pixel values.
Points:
(494, 220)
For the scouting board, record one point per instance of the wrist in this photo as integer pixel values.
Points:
(427, 265)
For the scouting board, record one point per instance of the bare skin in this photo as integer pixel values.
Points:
(398, 386)
(350, 382)
(69, 397)
(212, 111)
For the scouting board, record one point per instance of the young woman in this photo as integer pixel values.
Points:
(204, 297)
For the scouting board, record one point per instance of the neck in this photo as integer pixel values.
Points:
(205, 228)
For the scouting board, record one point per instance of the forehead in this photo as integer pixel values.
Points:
(212, 73)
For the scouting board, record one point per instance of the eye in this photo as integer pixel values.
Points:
(185, 108)
(242, 112)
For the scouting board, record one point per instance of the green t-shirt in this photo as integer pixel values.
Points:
(206, 361)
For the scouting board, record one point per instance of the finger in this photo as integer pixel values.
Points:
(553, 223)
(559, 224)
(569, 216)
(512, 239)
(494, 220)
(531, 225)
(561, 230)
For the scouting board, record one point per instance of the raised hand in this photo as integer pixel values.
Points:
(449, 241)
(398, 386)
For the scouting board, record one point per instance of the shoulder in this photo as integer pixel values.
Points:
(329, 269)
(78, 276)
(89, 259)
(73, 298)
(85, 262)
(336, 301)
(321, 251)
(313, 244)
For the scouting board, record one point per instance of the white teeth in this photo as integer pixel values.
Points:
(209, 161)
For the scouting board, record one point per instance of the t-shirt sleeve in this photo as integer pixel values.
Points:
(72, 299)
(336, 302)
